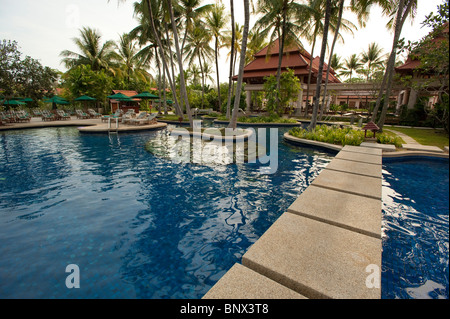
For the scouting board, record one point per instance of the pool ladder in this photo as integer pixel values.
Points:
(109, 126)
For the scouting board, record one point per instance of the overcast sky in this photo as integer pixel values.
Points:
(44, 28)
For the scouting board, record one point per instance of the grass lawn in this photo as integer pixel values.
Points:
(424, 136)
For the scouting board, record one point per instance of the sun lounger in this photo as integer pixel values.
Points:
(81, 114)
(143, 121)
(48, 116)
(93, 114)
(61, 115)
(131, 120)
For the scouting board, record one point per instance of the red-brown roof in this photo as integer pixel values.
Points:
(128, 93)
(294, 57)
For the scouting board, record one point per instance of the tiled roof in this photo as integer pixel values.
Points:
(294, 57)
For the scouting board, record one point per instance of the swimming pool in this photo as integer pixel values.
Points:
(415, 229)
(137, 225)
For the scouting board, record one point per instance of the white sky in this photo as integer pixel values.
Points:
(44, 28)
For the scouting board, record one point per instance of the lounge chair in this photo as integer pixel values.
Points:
(48, 116)
(82, 115)
(143, 121)
(61, 115)
(141, 116)
(93, 114)
(37, 112)
(22, 116)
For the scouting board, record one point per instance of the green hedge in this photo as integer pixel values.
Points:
(341, 136)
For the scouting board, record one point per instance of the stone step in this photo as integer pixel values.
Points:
(317, 260)
(241, 282)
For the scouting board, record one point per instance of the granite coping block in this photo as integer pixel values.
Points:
(367, 169)
(362, 149)
(419, 147)
(318, 260)
(353, 212)
(383, 147)
(241, 282)
(349, 183)
(359, 157)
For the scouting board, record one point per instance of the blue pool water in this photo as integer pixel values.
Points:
(415, 229)
(137, 225)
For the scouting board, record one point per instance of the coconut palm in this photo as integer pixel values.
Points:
(351, 64)
(93, 52)
(216, 20)
(373, 58)
(336, 63)
(326, 24)
(190, 10)
(256, 42)
(233, 120)
(313, 25)
(183, 89)
(401, 9)
(197, 47)
(130, 64)
(279, 19)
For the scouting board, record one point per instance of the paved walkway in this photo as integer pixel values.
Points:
(327, 244)
(412, 145)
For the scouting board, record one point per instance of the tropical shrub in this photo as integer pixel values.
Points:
(330, 134)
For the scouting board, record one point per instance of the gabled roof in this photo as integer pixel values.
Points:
(295, 58)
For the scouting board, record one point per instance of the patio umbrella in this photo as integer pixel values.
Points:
(85, 99)
(119, 96)
(14, 102)
(145, 95)
(56, 100)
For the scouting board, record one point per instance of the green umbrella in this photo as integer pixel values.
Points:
(119, 96)
(27, 99)
(145, 95)
(85, 98)
(56, 99)
(14, 102)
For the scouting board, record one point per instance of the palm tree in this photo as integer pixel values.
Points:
(278, 20)
(256, 42)
(93, 52)
(216, 20)
(313, 20)
(190, 10)
(150, 36)
(401, 9)
(372, 58)
(130, 63)
(180, 63)
(313, 122)
(336, 63)
(351, 65)
(198, 47)
(233, 121)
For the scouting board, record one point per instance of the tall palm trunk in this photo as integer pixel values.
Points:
(180, 64)
(400, 20)
(230, 79)
(280, 53)
(310, 71)
(312, 125)
(158, 41)
(336, 33)
(216, 50)
(233, 121)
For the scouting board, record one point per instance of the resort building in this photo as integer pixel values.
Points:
(296, 58)
(125, 105)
